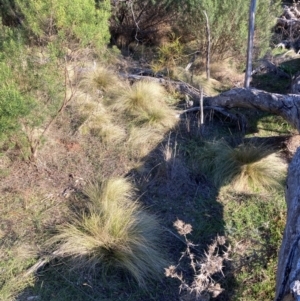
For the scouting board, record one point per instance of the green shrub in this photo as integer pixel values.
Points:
(169, 55)
(114, 232)
(67, 20)
(37, 82)
(13, 105)
(228, 24)
(153, 17)
(31, 89)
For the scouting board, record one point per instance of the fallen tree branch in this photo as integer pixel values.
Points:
(180, 86)
(286, 106)
(295, 86)
(287, 22)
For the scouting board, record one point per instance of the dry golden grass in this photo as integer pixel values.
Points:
(226, 73)
(144, 102)
(100, 125)
(252, 167)
(85, 105)
(246, 167)
(97, 120)
(142, 140)
(114, 232)
(99, 80)
(210, 87)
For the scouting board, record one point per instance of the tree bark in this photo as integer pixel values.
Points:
(179, 86)
(288, 272)
(250, 43)
(295, 87)
(208, 38)
(286, 106)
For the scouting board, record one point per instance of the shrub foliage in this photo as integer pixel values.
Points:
(228, 24)
(153, 21)
(35, 37)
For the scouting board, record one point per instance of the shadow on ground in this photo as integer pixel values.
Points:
(173, 187)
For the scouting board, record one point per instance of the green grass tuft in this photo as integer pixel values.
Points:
(114, 232)
(247, 167)
(13, 262)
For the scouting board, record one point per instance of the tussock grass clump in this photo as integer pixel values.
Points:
(226, 72)
(100, 125)
(210, 87)
(97, 121)
(246, 167)
(85, 104)
(100, 79)
(144, 101)
(114, 232)
(142, 140)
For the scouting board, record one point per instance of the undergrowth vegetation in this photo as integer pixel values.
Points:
(247, 167)
(204, 270)
(254, 227)
(114, 232)
(145, 103)
(77, 137)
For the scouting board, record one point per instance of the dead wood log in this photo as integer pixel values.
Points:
(288, 271)
(180, 86)
(295, 87)
(287, 22)
(286, 106)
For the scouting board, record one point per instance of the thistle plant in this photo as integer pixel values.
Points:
(203, 285)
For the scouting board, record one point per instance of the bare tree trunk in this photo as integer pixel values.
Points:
(288, 272)
(250, 43)
(208, 46)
